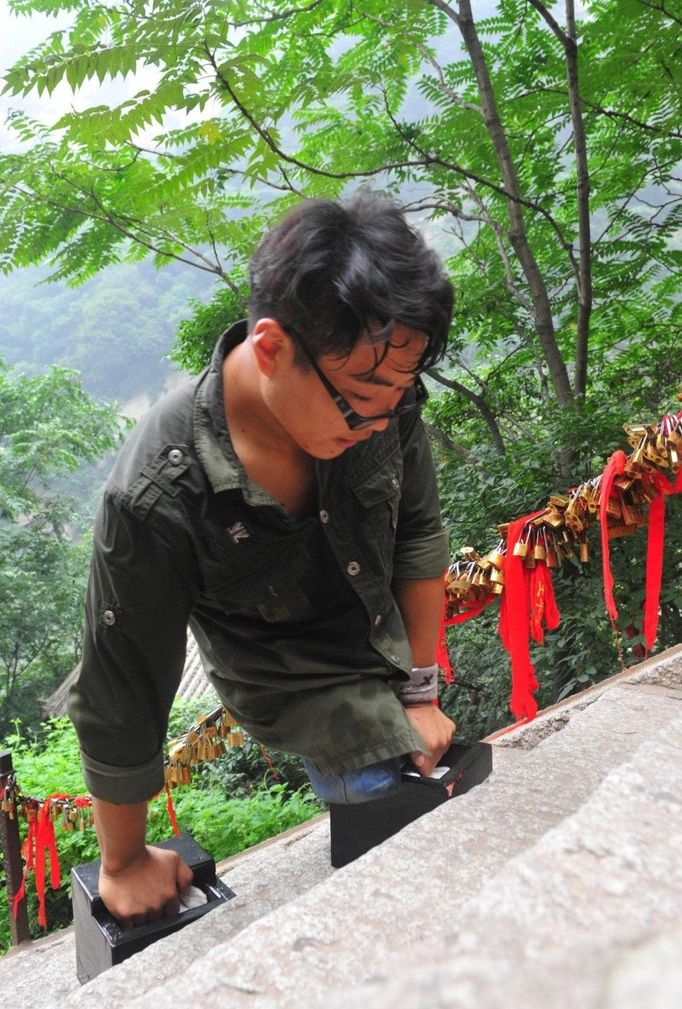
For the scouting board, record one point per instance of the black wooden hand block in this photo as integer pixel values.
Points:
(357, 828)
(100, 940)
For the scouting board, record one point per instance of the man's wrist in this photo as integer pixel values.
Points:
(422, 687)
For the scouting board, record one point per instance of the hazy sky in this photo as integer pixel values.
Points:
(20, 34)
(17, 35)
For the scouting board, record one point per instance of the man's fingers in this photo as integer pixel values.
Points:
(171, 907)
(184, 876)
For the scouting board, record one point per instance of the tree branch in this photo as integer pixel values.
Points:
(292, 12)
(662, 9)
(499, 233)
(568, 40)
(472, 177)
(610, 113)
(449, 11)
(107, 219)
(267, 137)
(478, 401)
(427, 160)
(443, 86)
(542, 309)
(554, 25)
(583, 204)
(447, 443)
(140, 229)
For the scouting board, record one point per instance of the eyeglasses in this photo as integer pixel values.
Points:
(353, 419)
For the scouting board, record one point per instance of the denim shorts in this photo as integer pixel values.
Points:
(361, 784)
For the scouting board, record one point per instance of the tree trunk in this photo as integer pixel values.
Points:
(517, 230)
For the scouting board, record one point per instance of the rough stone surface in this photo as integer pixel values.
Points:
(586, 919)
(552, 885)
(663, 670)
(345, 932)
(262, 878)
(650, 975)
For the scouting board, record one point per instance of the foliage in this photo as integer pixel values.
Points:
(241, 769)
(196, 336)
(48, 427)
(539, 150)
(224, 825)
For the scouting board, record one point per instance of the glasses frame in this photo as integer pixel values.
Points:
(353, 419)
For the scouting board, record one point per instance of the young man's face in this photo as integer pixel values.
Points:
(306, 409)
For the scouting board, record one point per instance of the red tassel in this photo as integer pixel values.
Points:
(654, 571)
(543, 608)
(171, 811)
(472, 610)
(614, 468)
(268, 760)
(442, 654)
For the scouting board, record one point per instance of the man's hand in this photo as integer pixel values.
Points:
(146, 888)
(436, 729)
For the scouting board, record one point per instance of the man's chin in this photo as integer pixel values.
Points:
(333, 448)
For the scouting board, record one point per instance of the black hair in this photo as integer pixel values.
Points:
(335, 272)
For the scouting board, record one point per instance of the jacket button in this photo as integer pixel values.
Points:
(377, 620)
(395, 658)
(395, 482)
(109, 618)
(324, 516)
(175, 457)
(353, 568)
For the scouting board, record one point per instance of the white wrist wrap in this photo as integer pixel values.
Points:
(422, 687)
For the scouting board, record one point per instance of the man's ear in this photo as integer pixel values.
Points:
(272, 346)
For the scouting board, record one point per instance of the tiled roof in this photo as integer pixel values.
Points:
(192, 685)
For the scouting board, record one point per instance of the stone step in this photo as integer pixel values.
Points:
(263, 877)
(588, 918)
(418, 884)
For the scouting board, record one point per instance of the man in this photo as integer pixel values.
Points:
(283, 504)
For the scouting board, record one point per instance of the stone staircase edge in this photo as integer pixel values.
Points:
(302, 906)
(526, 735)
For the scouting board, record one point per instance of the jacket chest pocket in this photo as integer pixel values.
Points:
(379, 496)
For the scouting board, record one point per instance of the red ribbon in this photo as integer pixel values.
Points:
(442, 654)
(514, 624)
(27, 850)
(614, 467)
(171, 812)
(654, 555)
(544, 612)
(470, 611)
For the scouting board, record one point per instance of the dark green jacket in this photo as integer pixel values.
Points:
(295, 620)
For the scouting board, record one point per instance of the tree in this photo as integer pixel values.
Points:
(48, 427)
(540, 148)
(549, 152)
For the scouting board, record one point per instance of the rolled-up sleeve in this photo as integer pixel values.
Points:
(421, 547)
(141, 591)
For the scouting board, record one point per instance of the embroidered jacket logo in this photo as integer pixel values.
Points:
(237, 532)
